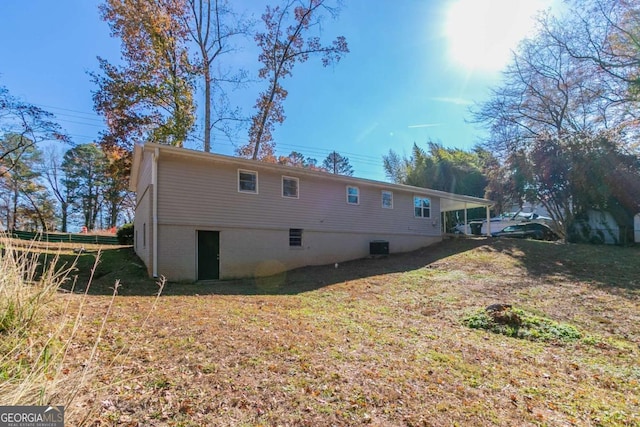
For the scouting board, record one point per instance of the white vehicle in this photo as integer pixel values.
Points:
(500, 222)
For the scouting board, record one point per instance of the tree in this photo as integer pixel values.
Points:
(26, 125)
(337, 164)
(212, 25)
(26, 201)
(605, 33)
(573, 175)
(116, 187)
(446, 169)
(298, 160)
(150, 97)
(281, 47)
(54, 174)
(544, 92)
(556, 102)
(85, 167)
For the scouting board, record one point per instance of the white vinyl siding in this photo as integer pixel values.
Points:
(321, 206)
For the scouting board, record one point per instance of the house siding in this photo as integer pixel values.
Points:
(196, 194)
(205, 194)
(143, 243)
(145, 175)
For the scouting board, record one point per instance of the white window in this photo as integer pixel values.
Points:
(290, 187)
(387, 199)
(353, 195)
(247, 181)
(422, 207)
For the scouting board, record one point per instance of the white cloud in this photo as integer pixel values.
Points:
(424, 125)
(452, 100)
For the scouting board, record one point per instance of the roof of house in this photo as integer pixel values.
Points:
(448, 201)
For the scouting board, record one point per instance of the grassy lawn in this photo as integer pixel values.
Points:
(377, 341)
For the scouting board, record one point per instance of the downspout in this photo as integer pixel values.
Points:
(154, 209)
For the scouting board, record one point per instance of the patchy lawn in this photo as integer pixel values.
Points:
(377, 341)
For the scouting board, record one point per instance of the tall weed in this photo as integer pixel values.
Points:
(41, 323)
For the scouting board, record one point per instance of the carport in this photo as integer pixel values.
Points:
(455, 202)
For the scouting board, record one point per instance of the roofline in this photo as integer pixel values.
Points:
(248, 163)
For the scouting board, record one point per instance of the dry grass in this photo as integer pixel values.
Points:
(378, 342)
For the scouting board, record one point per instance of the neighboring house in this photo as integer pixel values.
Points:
(202, 216)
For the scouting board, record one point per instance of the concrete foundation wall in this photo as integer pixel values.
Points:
(263, 252)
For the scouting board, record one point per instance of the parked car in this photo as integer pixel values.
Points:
(529, 230)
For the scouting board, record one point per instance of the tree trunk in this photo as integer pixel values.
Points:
(265, 115)
(113, 214)
(14, 214)
(64, 208)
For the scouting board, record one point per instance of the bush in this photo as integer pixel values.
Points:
(517, 323)
(125, 234)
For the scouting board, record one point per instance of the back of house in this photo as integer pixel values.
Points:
(204, 216)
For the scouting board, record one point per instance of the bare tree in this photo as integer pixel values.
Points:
(213, 25)
(55, 176)
(27, 125)
(551, 108)
(604, 32)
(282, 45)
(545, 91)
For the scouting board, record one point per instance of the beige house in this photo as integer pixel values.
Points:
(202, 216)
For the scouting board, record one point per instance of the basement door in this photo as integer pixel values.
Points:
(208, 255)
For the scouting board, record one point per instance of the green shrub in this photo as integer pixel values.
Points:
(125, 234)
(517, 323)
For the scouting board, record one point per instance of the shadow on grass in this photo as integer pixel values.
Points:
(611, 268)
(316, 277)
(124, 265)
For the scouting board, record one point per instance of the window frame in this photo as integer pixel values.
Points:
(422, 208)
(357, 195)
(382, 194)
(294, 179)
(295, 234)
(249, 172)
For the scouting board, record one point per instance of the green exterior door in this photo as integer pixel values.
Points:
(208, 255)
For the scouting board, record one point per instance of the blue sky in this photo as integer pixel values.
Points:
(414, 69)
